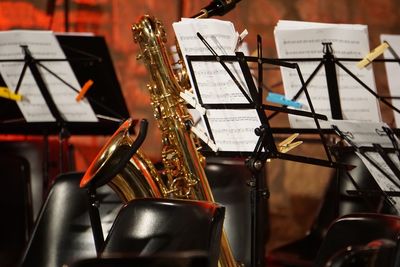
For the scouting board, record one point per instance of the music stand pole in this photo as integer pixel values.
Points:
(31, 62)
(258, 191)
(331, 81)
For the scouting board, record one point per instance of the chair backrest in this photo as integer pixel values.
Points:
(62, 231)
(175, 260)
(16, 208)
(153, 226)
(364, 256)
(357, 230)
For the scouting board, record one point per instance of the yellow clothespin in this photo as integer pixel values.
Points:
(287, 145)
(6, 93)
(372, 55)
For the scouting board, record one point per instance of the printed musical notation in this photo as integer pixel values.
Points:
(218, 86)
(232, 129)
(304, 40)
(42, 45)
(214, 83)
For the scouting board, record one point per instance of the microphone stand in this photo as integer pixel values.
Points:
(216, 8)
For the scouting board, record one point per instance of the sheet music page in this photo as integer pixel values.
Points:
(366, 134)
(393, 71)
(42, 45)
(304, 40)
(232, 129)
(214, 83)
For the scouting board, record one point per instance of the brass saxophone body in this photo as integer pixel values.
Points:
(183, 174)
(184, 165)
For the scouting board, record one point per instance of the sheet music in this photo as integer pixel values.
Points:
(214, 83)
(232, 129)
(42, 45)
(393, 71)
(304, 40)
(366, 134)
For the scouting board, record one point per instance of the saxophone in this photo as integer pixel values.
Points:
(183, 163)
(183, 174)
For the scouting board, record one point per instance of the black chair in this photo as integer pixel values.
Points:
(62, 232)
(337, 202)
(150, 227)
(175, 260)
(365, 256)
(358, 230)
(16, 208)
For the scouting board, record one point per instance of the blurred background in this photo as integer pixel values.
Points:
(297, 190)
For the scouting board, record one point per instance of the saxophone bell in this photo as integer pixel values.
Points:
(121, 165)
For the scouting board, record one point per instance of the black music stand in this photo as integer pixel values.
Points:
(90, 59)
(265, 147)
(383, 153)
(329, 62)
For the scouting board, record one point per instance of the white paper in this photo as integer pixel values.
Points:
(304, 40)
(364, 133)
(232, 129)
(215, 84)
(42, 45)
(393, 71)
(367, 134)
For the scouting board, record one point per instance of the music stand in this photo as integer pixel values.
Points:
(329, 62)
(90, 59)
(383, 162)
(265, 147)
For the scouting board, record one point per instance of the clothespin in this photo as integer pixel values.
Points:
(191, 100)
(287, 145)
(281, 99)
(201, 134)
(372, 55)
(6, 93)
(84, 90)
(241, 38)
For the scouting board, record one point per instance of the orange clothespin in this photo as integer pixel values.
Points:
(287, 145)
(6, 93)
(83, 90)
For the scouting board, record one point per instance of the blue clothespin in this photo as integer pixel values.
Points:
(281, 99)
